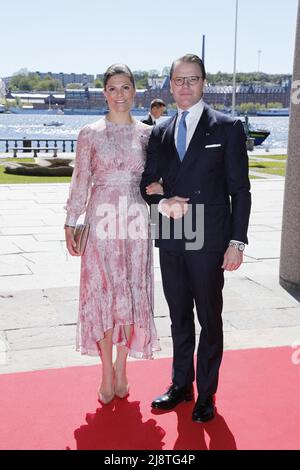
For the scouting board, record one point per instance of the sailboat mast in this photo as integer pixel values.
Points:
(203, 48)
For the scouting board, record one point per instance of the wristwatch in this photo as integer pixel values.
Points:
(238, 245)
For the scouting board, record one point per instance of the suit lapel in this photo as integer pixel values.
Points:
(204, 127)
(169, 138)
(197, 137)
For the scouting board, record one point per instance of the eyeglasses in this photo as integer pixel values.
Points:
(179, 81)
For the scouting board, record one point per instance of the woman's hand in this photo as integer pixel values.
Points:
(70, 242)
(154, 188)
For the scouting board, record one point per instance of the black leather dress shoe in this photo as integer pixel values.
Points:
(172, 397)
(204, 410)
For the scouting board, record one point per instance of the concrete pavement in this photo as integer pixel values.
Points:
(39, 282)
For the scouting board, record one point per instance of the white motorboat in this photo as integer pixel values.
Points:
(53, 123)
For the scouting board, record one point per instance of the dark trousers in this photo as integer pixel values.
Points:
(195, 278)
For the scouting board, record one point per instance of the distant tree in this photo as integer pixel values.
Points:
(274, 105)
(74, 86)
(13, 103)
(248, 107)
(141, 78)
(98, 83)
(32, 82)
(153, 73)
(262, 79)
(139, 73)
(22, 82)
(166, 71)
(22, 71)
(141, 83)
(49, 84)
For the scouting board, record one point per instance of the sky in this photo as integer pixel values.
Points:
(88, 36)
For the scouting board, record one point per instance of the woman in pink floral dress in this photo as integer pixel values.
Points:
(116, 284)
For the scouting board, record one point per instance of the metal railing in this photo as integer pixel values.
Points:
(64, 145)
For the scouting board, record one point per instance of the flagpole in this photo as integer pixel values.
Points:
(235, 54)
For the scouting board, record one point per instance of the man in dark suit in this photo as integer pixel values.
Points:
(157, 108)
(201, 156)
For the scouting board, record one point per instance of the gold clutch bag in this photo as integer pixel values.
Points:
(81, 233)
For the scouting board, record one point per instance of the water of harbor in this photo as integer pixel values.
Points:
(19, 126)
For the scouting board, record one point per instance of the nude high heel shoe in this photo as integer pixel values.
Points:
(105, 398)
(120, 392)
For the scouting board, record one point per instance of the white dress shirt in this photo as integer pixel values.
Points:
(192, 119)
(153, 119)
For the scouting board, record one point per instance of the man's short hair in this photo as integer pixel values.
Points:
(157, 103)
(192, 59)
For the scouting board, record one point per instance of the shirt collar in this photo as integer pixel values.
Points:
(153, 118)
(195, 111)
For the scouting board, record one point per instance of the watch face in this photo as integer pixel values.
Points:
(241, 247)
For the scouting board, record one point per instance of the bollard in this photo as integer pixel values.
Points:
(250, 143)
(26, 143)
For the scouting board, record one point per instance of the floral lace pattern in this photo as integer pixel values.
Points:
(116, 283)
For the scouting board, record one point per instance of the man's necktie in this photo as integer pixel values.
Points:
(181, 136)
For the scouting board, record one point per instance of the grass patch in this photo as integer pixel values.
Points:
(272, 171)
(267, 165)
(16, 160)
(271, 168)
(254, 177)
(6, 178)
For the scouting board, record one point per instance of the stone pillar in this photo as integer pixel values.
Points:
(290, 243)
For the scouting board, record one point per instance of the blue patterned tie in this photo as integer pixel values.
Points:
(181, 137)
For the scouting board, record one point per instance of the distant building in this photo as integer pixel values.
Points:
(38, 100)
(88, 98)
(67, 78)
(158, 88)
(94, 99)
(222, 95)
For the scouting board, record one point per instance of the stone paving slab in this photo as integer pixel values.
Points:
(13, 266)
(262, 338)
(37, 324)
(37, 338)
(266, 318)
(254, 228)
(27, 309)
(31, 230)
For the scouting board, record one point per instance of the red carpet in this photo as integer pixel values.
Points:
(257, 402)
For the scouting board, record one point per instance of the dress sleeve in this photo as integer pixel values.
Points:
(80, 186)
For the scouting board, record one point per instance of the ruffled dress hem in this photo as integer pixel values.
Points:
(141, 346)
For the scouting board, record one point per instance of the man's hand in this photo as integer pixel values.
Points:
(175, 207)
(154, 188)
(233, 259)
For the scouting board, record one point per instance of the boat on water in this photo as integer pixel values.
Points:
(271, 112)
(53, 124)
(259, 135)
